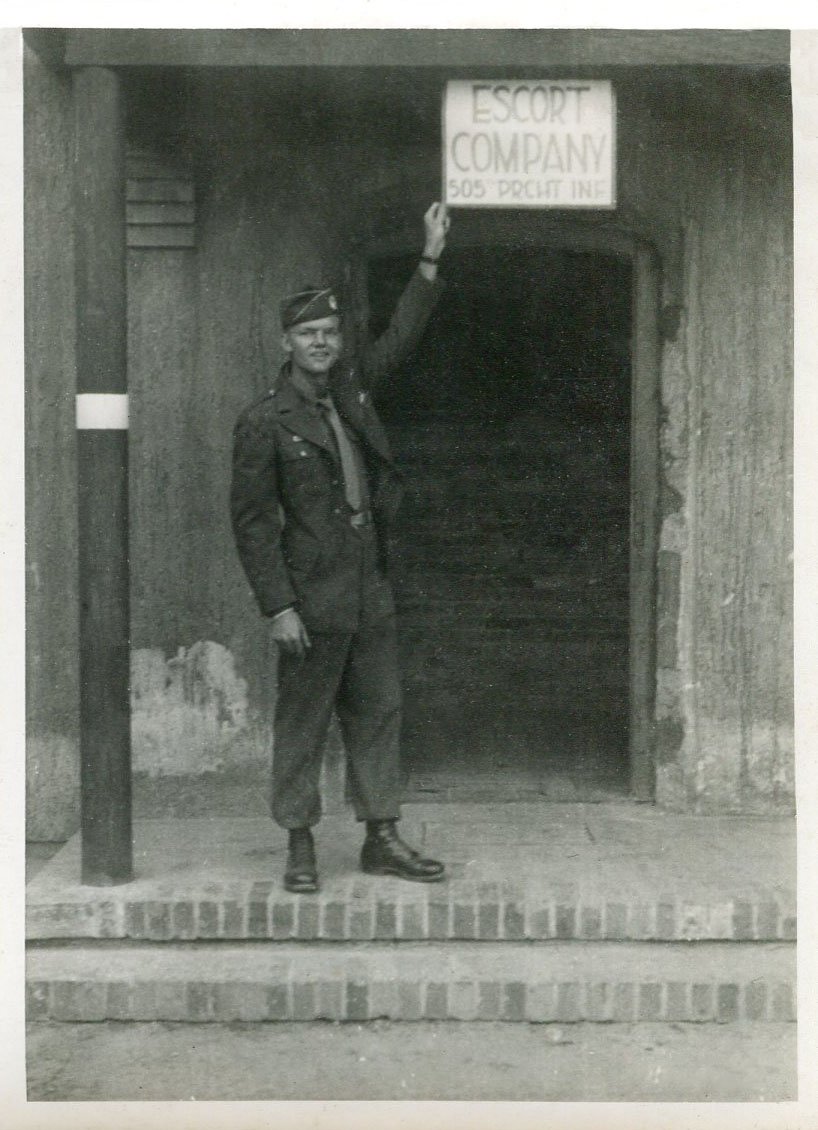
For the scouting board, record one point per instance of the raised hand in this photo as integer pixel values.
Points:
(437, 223)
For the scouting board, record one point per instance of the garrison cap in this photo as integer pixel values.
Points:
(307, 305)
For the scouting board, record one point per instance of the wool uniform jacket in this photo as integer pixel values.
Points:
(288, 508)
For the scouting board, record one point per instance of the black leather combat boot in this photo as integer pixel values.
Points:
(301, 875)
(385, 853)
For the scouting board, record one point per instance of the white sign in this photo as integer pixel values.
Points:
(528, 143)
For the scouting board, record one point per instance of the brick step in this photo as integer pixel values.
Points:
(538, 871)
(367, 909)
(555, 981)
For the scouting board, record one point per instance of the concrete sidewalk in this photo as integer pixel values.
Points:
(425, 1061)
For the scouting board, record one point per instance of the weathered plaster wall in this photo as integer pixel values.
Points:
(52, 766)
(191, 712)
(724, 688)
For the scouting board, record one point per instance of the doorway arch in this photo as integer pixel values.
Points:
(623, 236)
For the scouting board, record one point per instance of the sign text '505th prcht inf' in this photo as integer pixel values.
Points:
(529, 144)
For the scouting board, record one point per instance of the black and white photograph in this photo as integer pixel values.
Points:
(409, 546)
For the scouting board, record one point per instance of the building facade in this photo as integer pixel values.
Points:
(594, 566)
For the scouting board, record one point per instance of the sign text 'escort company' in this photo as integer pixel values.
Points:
(529, 144)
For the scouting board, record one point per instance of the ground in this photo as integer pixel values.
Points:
(433, 1061)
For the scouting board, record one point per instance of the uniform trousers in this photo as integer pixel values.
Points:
(357, 674)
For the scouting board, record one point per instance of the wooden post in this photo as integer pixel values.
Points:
(645, 470)
(102, 461)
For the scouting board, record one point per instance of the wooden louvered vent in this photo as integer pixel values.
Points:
(160, 205)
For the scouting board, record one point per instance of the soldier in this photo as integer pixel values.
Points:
(314, 489)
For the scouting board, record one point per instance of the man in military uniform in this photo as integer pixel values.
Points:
(314, 488)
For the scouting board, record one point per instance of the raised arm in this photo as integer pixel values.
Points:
(436, 221)
(414, 306)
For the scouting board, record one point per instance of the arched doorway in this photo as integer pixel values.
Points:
(525, 564)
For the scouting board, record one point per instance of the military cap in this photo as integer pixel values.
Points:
(307, 305)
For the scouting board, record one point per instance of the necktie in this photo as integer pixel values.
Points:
(349, 468)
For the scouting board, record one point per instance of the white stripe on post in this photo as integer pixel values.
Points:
(102, 410)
